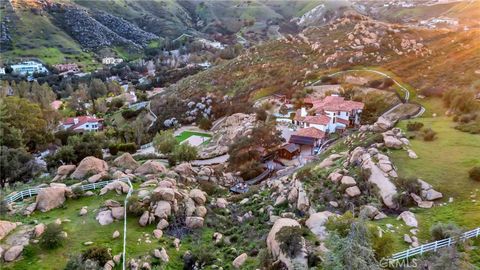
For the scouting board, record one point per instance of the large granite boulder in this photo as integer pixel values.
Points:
(300, 261)
(150, 167)
(126, 161)
(90, 166)
(6, 227)
(50, 198)
(194, 222)
(13, 253)
(316, 224)
(63, 171)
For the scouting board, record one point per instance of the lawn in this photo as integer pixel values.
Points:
(444, 163)
(187, 134)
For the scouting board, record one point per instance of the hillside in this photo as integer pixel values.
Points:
(424, 57)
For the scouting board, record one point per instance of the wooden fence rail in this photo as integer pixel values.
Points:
(433, 246)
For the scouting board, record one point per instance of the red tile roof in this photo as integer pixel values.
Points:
(343, 121)
(81, 120)
(310, 132)
(317, 119)
(335, 103)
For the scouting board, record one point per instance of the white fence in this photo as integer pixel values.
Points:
(435, 245)
(34, 191)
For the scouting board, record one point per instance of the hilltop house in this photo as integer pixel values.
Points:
(82, 123)
(320, 117)
(67, 68)
(111, 61)
(28, 68)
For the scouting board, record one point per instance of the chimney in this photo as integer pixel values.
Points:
(75, 120)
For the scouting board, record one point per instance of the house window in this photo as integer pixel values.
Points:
(86, 126)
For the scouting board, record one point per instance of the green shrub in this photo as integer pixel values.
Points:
(429, 134)
(75, 263)
(113, 149)
(52, 237)
(383, 245)
(78, 191)
(414, 126)
(98, 254)
(340, 224)
(474, 173)
(291, 240)
(127, 147)
(204, 123)
(129, 113)
(135, 206)
(409, 185)
(441, 231)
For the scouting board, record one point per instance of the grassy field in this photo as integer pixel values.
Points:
(187, 134)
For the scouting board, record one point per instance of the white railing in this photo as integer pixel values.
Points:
(146, 145)
(435, 245)
(34, 191)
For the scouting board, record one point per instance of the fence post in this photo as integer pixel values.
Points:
(421, 249)
(435, 248)
(478, 232)
(449, 241)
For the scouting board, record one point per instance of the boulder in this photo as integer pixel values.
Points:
(194, 222)
(184, 170)
(50, 198)
(409, 218)
(97, 177)
(162, 224)
(161, 254)
(90, 165)
(240, 260)
(412, 154)
(316, 224)
(369, 211)
(126, 161)
(348, 181)
(198, 196)
(431, 195)
(201, 211)
(303, 203)
(163, 209)
(166, 194)
(118, 186)
(385, 187)
(6, 227)
(104, 217)
(353, 191)
(157, 233)
(111, 203)
(222, 203)
(115, 234)
(83, 211)
(392, 142)
(335, 176)
(65, 169)
(109, 265)
(118, 213)
(143, 221)
(189, 207)
(300, 261)
(29, 209)
(382, 124)
(13, 253)
(38, 230)
(150, 167)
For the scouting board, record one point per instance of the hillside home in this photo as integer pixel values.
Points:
(111, 61)
(82, 124)
(67, 68)
(28, 68)
(320, 117)
(2, 71)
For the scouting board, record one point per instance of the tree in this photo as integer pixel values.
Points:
(184, 152)
(139, 128)
(78, 99)
(351, 252)
(42, 94)
(164, 141)
(96, 89)
(15, 165)
(28, 118)
(9, 136)
(205, 123)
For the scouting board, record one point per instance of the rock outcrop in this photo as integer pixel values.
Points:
(126, 161)
(50, 198)
(6, 227)
(150, 167)
(90, 166)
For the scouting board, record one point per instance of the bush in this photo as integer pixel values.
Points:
(75, 263)
(98, 254)
(261, 115)
(341, 224)
(383, 245)
(164, 142)
(204, 123)
(290, 239)
(441, 231)
(184, 152)
(415, 126)
(409, 185)
(127, 147)
(78, 191)
(129, 113)
(474, 173)
(429, 134)
(135, 206)
(52, 237)
(113, 149)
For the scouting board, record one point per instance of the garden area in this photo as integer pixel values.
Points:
(193, 138)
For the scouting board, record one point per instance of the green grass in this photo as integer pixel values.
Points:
(187, 134)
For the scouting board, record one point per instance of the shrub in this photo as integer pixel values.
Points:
(290, 239)
(414, 126)
(429, 134)
(474, 173)
(409, 185)
(135, 206)
(127, 147)
(98, 254)
(383, 245)
(204, 123)
(129, 113)
(341, 224)
(75, 263)
(165, 141)
(184, 152)
(52, 237)
(441, 231)
(113, 149)
(78, 191)
(261, 115)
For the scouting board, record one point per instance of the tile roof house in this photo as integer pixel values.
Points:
(324, 116)
(82, 123)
